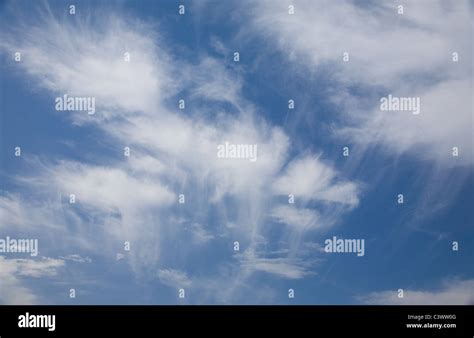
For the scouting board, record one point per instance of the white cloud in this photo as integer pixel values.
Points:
(403, 55)
(191, 146)
(288, 268)
(310, 179)
(13, 271)
(108, 188)
(14, 213)
(211, 77)
(452, 292)
(174, 278)
(383, 46)
(445, 122)
(135, 199)
(16, 294)
(200, 234)
(219, 46)
(82, 61)
(76, 258)
(46, 267)
(302, 219)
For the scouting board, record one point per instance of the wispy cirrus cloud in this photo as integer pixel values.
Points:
(304, 219)
(309, 178)
(404, 54)
(14, 271)
(180, 207)
(135, 199)
(88, 58)
(174, 278)
(451, 292)
(282, 267)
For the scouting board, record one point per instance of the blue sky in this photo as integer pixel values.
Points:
(405, 52)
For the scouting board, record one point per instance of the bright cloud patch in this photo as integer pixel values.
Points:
(172, 164)
(456, 292)
(135, 207)
(422, 51)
